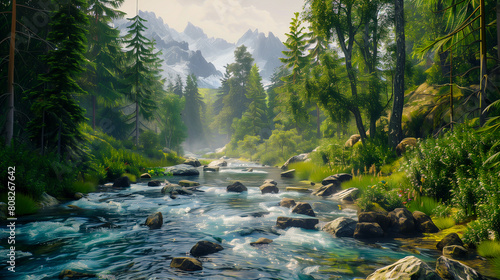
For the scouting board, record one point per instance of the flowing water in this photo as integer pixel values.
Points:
(107, 236)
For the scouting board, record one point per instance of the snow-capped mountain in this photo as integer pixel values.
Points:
(192, 51)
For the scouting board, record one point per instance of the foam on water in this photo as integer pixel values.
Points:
(39, 232)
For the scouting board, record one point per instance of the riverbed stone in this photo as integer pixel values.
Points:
(186, 263)
(169, 188)
(270, 181)
(337, 178)
(211, 169)
(294, 159)
(71, 274)
(47, 200)
(122, 182)
(451, 269)
(155, 221)
(194, 162)
(448, 240)
(218, 163)
(236, 187)
(375, 217)
(327, 190)
(407, 268)
(288, 174)
(298, 189)
(331, 180)
(341, 227)
(287, 202)
(456, 252)
(368, 230)
(78, 195)
(303, 208)
(145, 176)
(402, 221)
(261, 241)
(183, 170)
(424, 223)
(154, 183)
(188, 183)
(203, 248)
(248, 170)
(269, 188)
(286, 222)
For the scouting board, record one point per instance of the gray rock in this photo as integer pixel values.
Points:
(331, 180)
(327, 190)
(341, 227)
(48, 201)
(269, 188)
(270, 181)
(288, 174)
(154, 183)
(188, 183)
(407, 268)
(194, 162)
(450, 269)
(337, 178)
(287, 202)
(203, 248)
(352, 140)
(347, 195)
(183, 170)
(450, 239)
(145, 176)
(286, 222)
(375, 217)
(236, 187)
(187, 264)
(122, 182)
(218, 163)
(424, 223)
(155, 221)
(455, 252)
(67, 273)
(170, 188)
(303, 208)
(211, 169)
(294, 159)
(368, 230)
(261, 241)
(402, 221)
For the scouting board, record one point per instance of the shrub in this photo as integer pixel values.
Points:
(444, 222)
(423, 204)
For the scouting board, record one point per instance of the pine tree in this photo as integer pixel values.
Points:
(256, 112)
(57, 115)
(192, 111)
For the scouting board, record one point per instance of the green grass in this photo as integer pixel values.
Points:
(83, 187)
(444, 223)
(25, 204)
(132, 177)
(489, 249)
(423, 204)
(311, 171)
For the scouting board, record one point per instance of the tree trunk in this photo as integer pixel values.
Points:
(395, 131)
(10, 78)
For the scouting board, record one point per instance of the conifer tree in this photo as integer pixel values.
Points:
(192, 111)
(256, 112)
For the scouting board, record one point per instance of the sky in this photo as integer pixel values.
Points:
(226, 19)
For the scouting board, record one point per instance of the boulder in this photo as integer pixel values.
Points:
(455, 252)
(341, 227)
(407, 268)
(337, 178)
(368, 230)
(187, 264)
(287, 202)
(451, 269)
(218, 163)
(331, 180)
(261, 241)
(248, 170)
(303, 208)
(155, 221)
(47, 201)
(154, 183)
(402, 221)
(145, 176)
(424, 223)
(298, 189)
(270, 181)
(286, 222)
(183, 191)
(327, 190)
(269, 188)
(203, 248)
(352, 140)
(450, 239)
(122, 182)
(67, 273)
(194, 162)
(348, 195)
(404, 144)
(79, 195)
(375, 217)
(288, 174)
(169, 188)
(211, 169)
(236, 187)
(297, 158)
(187, 183)
(182, 170)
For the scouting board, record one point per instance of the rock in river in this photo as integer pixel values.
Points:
(303, 208)
(236, 187)
(261, 241)
(287, 202)
(450, 269)
(155, 221)
(450, 239)
(194, 162)
(182, 170)
(187, 264)
(203, 248)
(269, 188)
(286, 222)
(341, 227)
(408, 268)
(122, 182)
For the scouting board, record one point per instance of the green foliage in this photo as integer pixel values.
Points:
(83, 187)
(381, 193)
(192, 113)
(374, 152)
(312, 171)
(25, 203)
(489, 249)
(444, 222)
(423, 204)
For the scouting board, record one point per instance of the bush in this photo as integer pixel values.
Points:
(374, 152)
(381, 193)
(444, 223)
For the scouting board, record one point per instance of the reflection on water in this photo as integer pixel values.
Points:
(105, 235)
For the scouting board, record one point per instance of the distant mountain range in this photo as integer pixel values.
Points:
(192, 51)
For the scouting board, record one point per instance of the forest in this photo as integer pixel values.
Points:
(82, 104)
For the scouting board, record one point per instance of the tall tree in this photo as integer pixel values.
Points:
(256, 112)
(193, 111)
(58, 116)
(173, 130)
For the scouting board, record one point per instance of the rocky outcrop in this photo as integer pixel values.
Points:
(261, 241)
(352, 140)
(456, 252)
(218, 163)
(424, 223)
(203, 248)
(187, 264)
(341, 227)
(448, 240)
(154, 183)
(145, 176)
(287, 202)
(375, 217)
(269, 188)
(407, 268)
(188, 183)
(450, 269)
(70, 274)
(194, 162)
(286, 222)
(236, 187)
(347, 196)
(288, 174)
(155, 221)
(294, 159)
(368, 230)
(122, 182)
(182, 170)
(402, 221)
(303, 208)
(327, 190)
(48, 201)
(404, 144)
